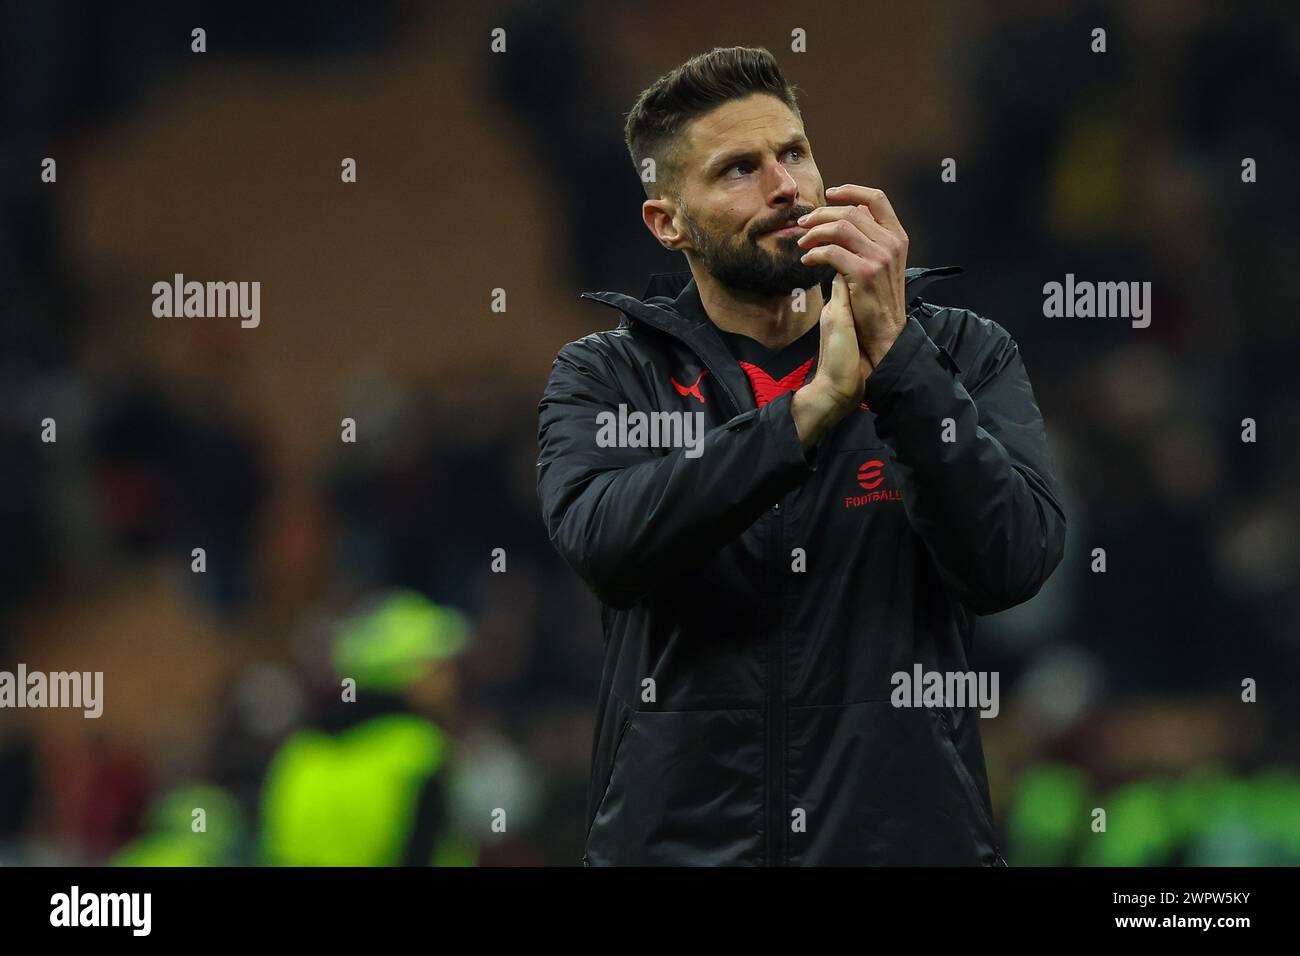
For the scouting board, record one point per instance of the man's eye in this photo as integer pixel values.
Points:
(747, 166)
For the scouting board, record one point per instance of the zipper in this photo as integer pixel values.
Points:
(776, 730)
(968, 784)
(777, 822)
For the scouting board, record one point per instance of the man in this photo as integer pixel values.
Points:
(874, 472)
(370, 785)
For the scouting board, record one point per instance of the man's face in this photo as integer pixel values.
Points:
(747, 168)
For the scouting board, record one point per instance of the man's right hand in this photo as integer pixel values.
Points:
(841, 375)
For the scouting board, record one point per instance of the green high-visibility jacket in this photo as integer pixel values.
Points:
(362, 797)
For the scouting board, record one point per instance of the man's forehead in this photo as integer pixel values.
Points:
(740, 124)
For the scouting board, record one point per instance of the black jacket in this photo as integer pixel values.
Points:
(745, 713)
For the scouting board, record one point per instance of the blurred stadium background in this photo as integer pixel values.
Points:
(479, 170)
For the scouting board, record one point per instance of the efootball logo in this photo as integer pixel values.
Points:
(871, 474)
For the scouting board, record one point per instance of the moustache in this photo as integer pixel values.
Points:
(790, 219)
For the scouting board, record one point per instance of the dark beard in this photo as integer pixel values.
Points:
(746, 266)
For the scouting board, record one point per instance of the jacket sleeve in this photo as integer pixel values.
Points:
(626, 518)
(986, 502)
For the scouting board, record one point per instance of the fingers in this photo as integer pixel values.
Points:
(833, 310)
(856, 217)
(874, 199)
(839, 361)
(843, 261)
(843, 233)
(839, 332)
(840, 297)
(854, 228)
(861, 268)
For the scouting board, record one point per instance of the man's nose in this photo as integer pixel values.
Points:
(782, 184)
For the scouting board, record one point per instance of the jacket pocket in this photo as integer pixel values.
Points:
(686, 789)
(878, 788)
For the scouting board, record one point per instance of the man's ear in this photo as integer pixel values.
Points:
(658, 216)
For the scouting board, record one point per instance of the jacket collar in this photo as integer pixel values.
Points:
(670, 295)
(671, 303)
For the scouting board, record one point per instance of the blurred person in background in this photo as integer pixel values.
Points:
(370, 785)
(198, 825)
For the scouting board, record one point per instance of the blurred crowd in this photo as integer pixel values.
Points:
(1121, 689)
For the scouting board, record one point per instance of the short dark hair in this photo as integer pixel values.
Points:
(662, 111)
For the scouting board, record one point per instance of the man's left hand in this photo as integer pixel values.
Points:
(866, 244)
